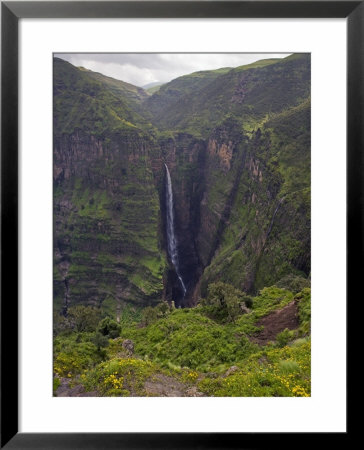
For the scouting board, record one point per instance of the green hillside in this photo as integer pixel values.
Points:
(202, 351)
(92, 103)
(237, 146)
(198, 102)
(118, 87)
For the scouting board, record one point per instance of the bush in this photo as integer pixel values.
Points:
(109, 327)
(151, 315)
(248, 301)
(119, 377)
(162, 309)
(187, 338)
(293, 283)
(61, 324)
(83, 318)
(287, 367)
(74, 358)
(299, 342)
(284, 337)
(226, 299)
(276, 372)
(304, 310)
(56, 383)
(100, 341)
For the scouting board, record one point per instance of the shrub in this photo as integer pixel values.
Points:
(61, 324)
(226, 299)
(162, 309)
(187, 338)
(56, 383)
(284, 337)
(248, 301)
(151, 315)
(287, 367)
(293, 283)
(119, 377)
(109, 327)
(84, 318)
(276, 372)
(75, 353)
(304, 310)
(100, 341)
(299, 342)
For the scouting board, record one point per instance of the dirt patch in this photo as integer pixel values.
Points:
(275, 322)
(158, 385)
(164, 386)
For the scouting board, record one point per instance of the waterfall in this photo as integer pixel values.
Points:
(171, 237)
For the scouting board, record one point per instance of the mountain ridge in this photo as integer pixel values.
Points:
(234, 157)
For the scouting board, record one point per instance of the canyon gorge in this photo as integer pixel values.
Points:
(219, 159)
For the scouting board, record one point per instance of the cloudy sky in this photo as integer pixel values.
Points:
(144, 68)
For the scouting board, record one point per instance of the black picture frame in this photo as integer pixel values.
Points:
(11, 12)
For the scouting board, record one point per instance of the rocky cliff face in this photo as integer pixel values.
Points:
(106, 227)
(239, 161)
(251, 215)
(184, 156)
(266, 233)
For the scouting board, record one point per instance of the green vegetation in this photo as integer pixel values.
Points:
(193, 347)
(93, 103)
(107, 213)
(237, 144)
(240, 140)
(267, 238)
(271, 373)
(109, 327)
(200, 101)
(225, 302)
(119, 377)
(304, 310)
(153, 89)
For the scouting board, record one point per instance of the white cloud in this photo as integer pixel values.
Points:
(143, 68)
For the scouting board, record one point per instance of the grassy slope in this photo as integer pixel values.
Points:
(198, 102)
(196, 350)
(153, 89)
(119, 87)
(91, 102)
(168, 96)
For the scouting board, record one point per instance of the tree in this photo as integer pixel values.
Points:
(99, 341)
(226, 299)
(109, 327)
(149, 315)
(162, 309)
(84, 318)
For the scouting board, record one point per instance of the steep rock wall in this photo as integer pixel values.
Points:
(184, 155)
(107, 219)
(267, 234)
(242, 217)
